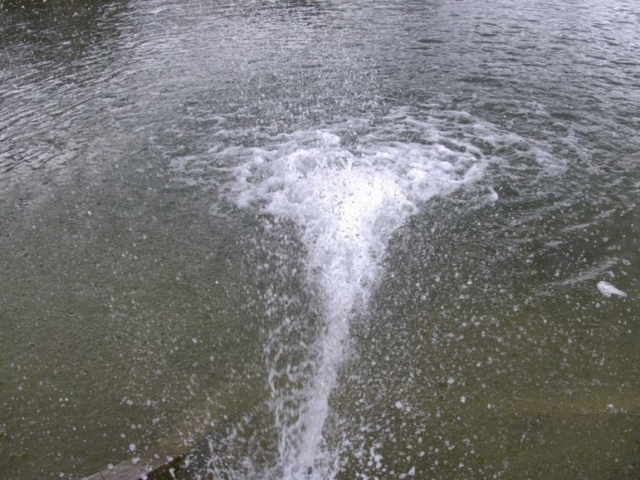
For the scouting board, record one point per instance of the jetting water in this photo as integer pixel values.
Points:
(320, 239)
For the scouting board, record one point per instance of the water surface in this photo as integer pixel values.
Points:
(320, 239)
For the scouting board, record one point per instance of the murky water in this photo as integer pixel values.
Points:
(320, 239)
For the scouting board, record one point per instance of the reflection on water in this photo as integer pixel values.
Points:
(58, 72)
(319, 239)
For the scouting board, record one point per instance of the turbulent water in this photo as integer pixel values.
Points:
(320, 240)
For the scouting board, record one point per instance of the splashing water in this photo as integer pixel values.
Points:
(346, 202)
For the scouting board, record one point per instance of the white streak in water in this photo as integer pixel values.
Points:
(348, 203)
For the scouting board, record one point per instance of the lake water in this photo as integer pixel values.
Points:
(320, 239)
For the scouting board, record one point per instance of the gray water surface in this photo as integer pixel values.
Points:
(320, 239)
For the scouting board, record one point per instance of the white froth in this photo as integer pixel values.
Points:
(347, 203)
(348, 188)
(607, 290)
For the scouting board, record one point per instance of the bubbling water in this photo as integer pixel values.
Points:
(346, 203)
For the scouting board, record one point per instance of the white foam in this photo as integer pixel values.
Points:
(347, 203)
(348, 187)
(607, 290)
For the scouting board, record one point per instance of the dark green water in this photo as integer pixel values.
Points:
(344, 240)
